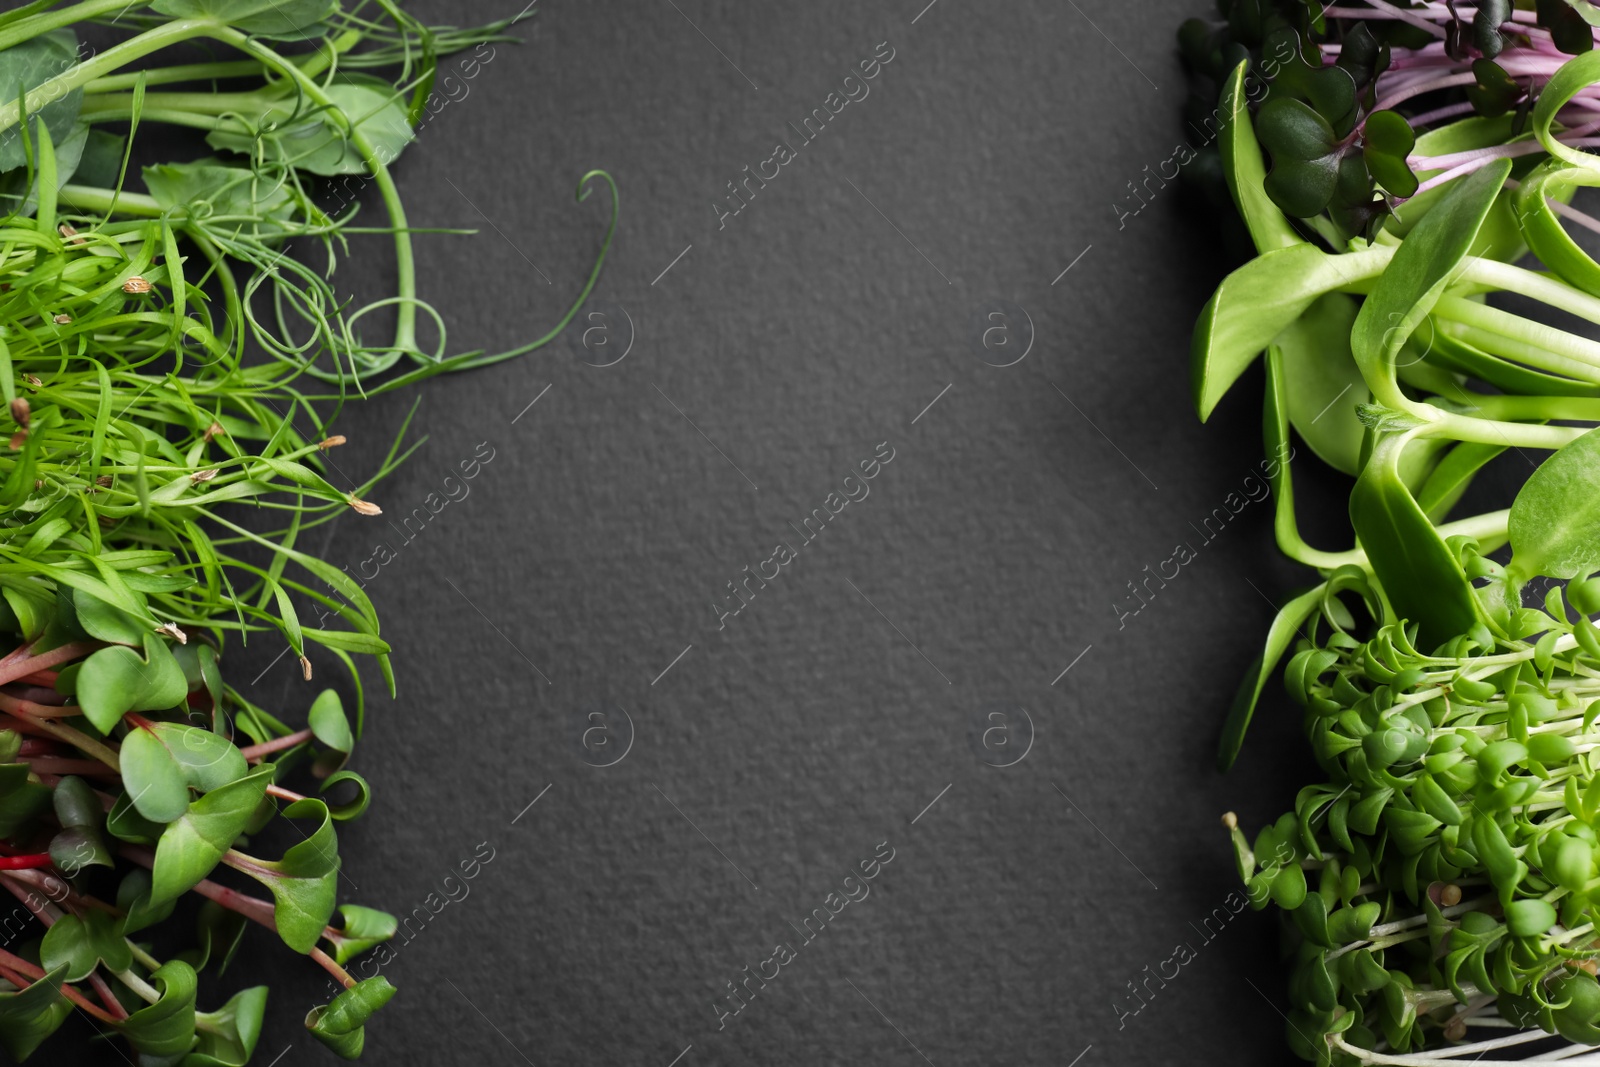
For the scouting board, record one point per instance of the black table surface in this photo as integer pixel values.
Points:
(951, 284)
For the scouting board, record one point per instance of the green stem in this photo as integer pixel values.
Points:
(312, 64)
(111, 59)
(145, 990)
(405, 339)
(93, 199)
(1509, 434)
(44, 22)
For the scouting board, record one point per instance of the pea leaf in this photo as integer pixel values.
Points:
(30, 1015)
(363, 928)
(24, 67)
(194, 192)
(193, 843)
(304, 881)
(165, 1028)
(80, 944)
(228, 1035)
(1555, 519)
(290, 131)
(163, 761)
(116, 680)
(340, 1025)
(263, 18)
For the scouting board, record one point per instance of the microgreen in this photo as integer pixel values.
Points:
(1392, 163)
(171, 346)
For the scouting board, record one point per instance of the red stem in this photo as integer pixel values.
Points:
(254, 752)
(283, 794)
(16, 967)
(333, 968)
(112, 1004)
(18, 863)
(18, 706)
(12, 670)
(85, 767)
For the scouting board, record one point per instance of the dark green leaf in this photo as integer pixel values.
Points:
(29, 1016)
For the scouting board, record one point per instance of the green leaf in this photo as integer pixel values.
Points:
(1417, 570)
(340, 1025)
(261, 18)
(1259, 301)
(105, 622)
(363, 928)
(1451, 477)
(356, 806)
(29, 1016)
(1575, 75)
(1246, 171)
(193, 844)
(1389, 140)
(126, 824)
(1529, 918)
(133, 897)
(197, 191)
(24, 67)
(115, 681)
(289, 130)
(1556, 180)
(219, 931)
(1323, 385)
(304, 883)
(165, 1028)
(228, 1035)
(20, 800)
(1417, 275)
(80, 944)
(1555, 519)
(1285, 627)
(330, 727)
(163, 761)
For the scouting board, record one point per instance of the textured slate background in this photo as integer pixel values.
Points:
(779, 350)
